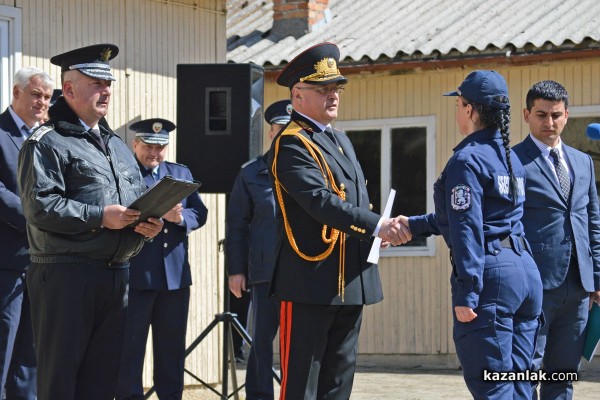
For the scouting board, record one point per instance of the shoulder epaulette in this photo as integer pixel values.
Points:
(244, 165)
(292, 129)
(41, 131)
(175, 163)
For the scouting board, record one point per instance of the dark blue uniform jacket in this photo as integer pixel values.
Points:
(473, 209)
(251, 224)
(163, 263)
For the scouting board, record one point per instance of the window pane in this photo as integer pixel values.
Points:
(409, 173)
(574, 136)
(367, 145)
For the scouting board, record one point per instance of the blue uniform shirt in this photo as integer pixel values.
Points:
(474, 209)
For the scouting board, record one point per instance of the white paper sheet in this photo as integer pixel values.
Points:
(374, 253)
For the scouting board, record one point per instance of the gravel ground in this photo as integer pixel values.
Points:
(375, 381)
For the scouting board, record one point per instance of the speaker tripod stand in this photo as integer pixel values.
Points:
(228, 362)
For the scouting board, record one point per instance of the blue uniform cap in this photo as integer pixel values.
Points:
(90, 60)
(279, 112)
(316, 65)
(153, 131)
(484, 87)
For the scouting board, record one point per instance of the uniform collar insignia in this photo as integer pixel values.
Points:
(305, 126)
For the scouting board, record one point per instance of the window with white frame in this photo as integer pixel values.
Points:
(398, 154)
(10, 51)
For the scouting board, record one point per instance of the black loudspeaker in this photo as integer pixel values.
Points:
(219, 120)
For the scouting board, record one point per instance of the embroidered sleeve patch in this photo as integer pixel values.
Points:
(461, 198)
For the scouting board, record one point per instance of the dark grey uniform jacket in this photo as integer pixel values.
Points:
(65, 181)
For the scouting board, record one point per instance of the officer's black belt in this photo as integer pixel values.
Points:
(507, 244)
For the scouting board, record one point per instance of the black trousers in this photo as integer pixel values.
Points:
(78, 316)
(318, 350)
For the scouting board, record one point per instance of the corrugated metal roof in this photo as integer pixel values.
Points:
(376, 29)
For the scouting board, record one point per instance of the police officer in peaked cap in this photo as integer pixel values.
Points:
(322, 278)
(160, 275)
(79, 177)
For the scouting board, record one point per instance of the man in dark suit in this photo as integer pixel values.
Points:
(562, 224)
(160, 276)
(31, 97)
(322, 278)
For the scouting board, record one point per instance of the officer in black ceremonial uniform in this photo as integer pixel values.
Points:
(322, 278)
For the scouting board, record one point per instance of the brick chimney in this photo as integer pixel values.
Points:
(298, 17)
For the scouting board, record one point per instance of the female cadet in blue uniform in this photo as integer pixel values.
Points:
(496, 287)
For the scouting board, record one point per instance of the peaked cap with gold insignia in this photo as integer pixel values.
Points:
(90, 60)
(153, 130)
(316, 65)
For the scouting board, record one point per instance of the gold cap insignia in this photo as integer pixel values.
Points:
(157, 127)
(325, 70)
(105, 54)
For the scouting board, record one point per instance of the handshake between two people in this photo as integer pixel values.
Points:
(394, 231)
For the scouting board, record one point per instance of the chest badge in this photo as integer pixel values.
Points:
(461, 198)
